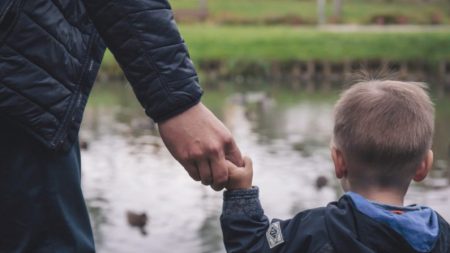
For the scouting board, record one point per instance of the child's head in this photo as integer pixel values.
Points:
(382, 135)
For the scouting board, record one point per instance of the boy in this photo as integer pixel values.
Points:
(381, 141)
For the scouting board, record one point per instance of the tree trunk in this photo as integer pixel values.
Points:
(337, 9)
(321, 19)
(203, 10)
(203, 4)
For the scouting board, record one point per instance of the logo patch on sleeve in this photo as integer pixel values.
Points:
(274, 235)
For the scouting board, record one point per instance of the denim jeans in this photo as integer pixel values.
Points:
(41, 204)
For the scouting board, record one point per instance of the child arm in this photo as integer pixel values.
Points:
(245, 227)
(243, 222)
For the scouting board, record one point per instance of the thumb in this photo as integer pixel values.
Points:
(233, 154)
(235, 172)
(248, 163)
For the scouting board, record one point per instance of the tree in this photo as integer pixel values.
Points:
(203, 10)
(321, 19)
(337, 9)
(203, 5)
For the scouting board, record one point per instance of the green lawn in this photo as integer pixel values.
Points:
(288, 43)
(258, 43)
(354, 11)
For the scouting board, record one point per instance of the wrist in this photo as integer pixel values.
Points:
(239, 185)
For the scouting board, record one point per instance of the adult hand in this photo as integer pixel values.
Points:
(202, 144)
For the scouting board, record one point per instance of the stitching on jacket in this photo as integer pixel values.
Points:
(7, 10)
(181, 80)
(26, 126)
(148, 75)
(38, 66)
(150, 62)
(130, 14)
(145, 52)
(53, 37)
(44, 110)
(124, 43)
(326, 248)
(164, 46)
(68, 20)
(132, 61)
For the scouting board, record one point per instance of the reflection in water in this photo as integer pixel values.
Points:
(210, 235)
(127, 167)
(97, 209)
(209, 232)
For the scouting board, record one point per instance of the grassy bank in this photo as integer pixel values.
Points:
(286, 43)
(353, 11)
(283, 43)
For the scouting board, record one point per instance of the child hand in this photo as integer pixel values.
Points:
(240, 177)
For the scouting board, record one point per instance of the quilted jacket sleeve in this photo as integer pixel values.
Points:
(246, 229)
(145, 41)
(243, 222)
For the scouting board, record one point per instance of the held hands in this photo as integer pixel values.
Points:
(202, 144)
(240, 178)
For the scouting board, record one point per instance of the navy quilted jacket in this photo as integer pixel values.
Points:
(51, 50)
(340, 227)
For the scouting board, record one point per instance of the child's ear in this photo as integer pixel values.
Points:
(339, 162)
(425, 167)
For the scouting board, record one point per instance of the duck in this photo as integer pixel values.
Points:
(84, 145)
(321, 182)
(138, 220)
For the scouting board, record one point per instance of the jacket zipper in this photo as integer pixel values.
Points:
(59, 140)
(86, 72)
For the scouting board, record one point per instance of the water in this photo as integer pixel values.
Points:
(126, 167)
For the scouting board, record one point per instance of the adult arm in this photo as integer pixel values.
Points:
(145, 41)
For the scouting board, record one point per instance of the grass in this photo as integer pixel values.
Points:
(283, 43)
(354, 11)
(286, 43)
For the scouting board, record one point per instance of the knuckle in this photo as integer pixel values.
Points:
(184, 157)
(194, 175)
(214, 149)
(221, 176)
(195, 155)
(228, 139)
(220, 181)
(217, 188)
(206, 181)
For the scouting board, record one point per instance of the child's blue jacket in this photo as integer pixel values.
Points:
(352, 224)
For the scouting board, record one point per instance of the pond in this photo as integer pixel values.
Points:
(126, 167)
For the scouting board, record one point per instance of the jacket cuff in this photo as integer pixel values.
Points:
(242, 202)
(183, 96)
(178, 110)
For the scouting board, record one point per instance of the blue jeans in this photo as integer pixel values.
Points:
(41, 204)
